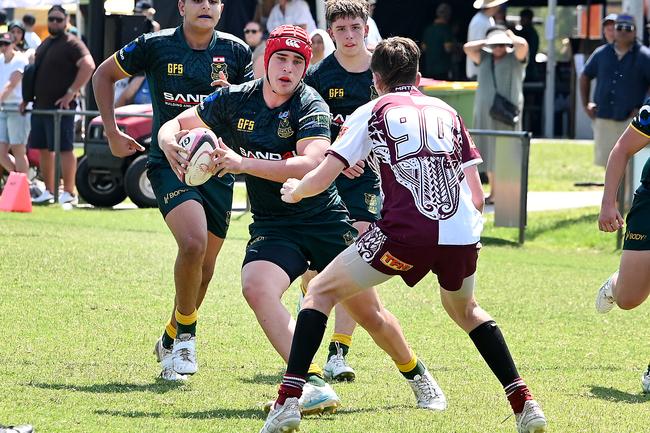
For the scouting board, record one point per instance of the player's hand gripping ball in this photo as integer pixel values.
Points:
(199, 144)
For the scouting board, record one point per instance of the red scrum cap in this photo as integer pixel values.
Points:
(288, 38)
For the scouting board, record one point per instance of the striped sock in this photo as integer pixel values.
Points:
(518, 393)
(186, 324)
(169, 335)
(291, 386)
(412, 368)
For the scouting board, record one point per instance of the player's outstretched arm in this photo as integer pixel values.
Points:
(314, 182)
(627, 145)
(121, 144)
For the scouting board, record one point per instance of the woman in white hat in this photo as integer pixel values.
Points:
(501, 59)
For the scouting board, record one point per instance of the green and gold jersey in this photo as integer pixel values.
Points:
(343, 92)
(240, 116)
(180, 77)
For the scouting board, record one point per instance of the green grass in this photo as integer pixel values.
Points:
(85, 294)
(555, 165)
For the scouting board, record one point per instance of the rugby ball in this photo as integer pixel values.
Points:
(199, 144)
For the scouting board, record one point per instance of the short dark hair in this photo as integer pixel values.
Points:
(57, 8)
(335, 9)
(396, 61)
(29, 19)
(526, 13)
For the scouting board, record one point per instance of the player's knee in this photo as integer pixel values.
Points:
(255, 293)
(192, 247)
(371, 320)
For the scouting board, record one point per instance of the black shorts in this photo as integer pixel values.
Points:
(296, 247)
(361, 196)
(637, 227)
(215, 195)
(42, 133)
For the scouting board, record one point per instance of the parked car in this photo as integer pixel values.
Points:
(104, 180)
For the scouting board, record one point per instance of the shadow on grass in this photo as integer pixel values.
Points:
(254, 414)
(612, 394)
(264, 379)
(158, 387)
(536, 231)
(499, 242)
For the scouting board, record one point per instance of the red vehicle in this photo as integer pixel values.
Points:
(104, 180)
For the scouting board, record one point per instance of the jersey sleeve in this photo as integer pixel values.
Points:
(641, 122)
(314, 121)
(353, 143)
(246, 62)
(132, 58)
(469, 151)
(212, 111)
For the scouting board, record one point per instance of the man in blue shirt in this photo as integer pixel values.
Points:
(622, 71)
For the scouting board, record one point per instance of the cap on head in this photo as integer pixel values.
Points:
(625, 19)
(288, 38)
(610, 18)
(6, 38)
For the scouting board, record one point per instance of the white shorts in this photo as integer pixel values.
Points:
(14, 127)
(606, 134)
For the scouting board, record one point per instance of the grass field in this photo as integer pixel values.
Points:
(85, 294)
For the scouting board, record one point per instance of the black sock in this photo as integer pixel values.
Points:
(490, 343)
(333, 349)
(307, 337)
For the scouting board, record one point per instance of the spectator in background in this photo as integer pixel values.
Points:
(14, 127)
(609, 22)
(146, 9)
(478, 26)
(3, 21)
(262, 11)
(622, 73)
(68, 56)
(501, 59)
(321, 45)
(293, 12)
(17, 29)
(257, 60)
(526, 30)
(253, 34)
(136, 92)
(236, 15)
(33, 41)
(438, 44)
(374, 37)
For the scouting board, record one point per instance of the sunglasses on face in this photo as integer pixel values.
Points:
(4, 43)
(253, 31)
(624, 28)
(55, 19)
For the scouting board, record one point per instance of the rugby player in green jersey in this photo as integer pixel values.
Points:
(272, 129)
(344, 80)
(181, 65)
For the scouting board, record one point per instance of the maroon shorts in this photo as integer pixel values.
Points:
(451, 263)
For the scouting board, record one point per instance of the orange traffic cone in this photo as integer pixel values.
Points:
(15, 196)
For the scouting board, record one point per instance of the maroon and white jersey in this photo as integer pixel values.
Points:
(419, 146)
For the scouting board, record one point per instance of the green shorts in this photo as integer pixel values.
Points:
(215, 195)
(361, 196)
(637, 231)
(301, 245)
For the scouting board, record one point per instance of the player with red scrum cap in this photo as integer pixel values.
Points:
(273, 129)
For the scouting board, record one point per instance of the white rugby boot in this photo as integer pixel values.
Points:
(184, 354)
(427, 392)
(314, 400)
(605, 298)
(337, 369)
(166, 360)
(645, 381)
(531, 419)
(283, 419)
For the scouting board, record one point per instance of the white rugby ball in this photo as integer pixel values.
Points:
(199, 143)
